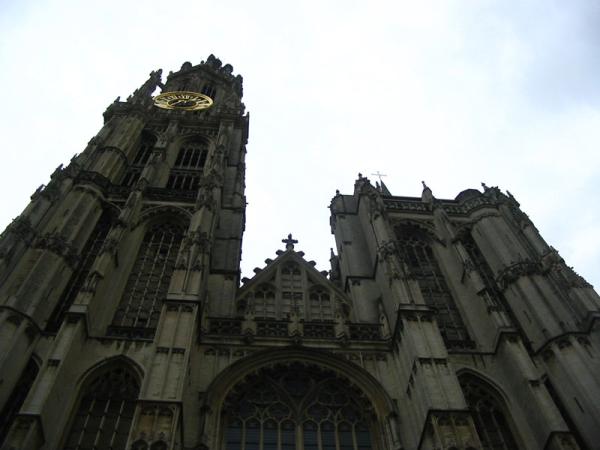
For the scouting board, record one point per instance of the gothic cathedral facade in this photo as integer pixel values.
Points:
(442, 324)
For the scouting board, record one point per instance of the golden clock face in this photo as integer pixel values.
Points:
(183, 100)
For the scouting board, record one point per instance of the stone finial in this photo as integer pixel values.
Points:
(427, 195)
(144, 92)
(289, 242)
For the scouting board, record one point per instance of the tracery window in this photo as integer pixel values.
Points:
(88, 256)
(490, 421)
(17, 398)
(480, 263)
(297, 407)
(105, 412)
(141, 158)
(147, 285)
(415, 250)
(188, 166)
(264, 302)
(292, 293)
(320, 304)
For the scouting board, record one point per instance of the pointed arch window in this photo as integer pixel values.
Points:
(416, 252)
(105, 412)
(297, 407)
(89, 253)
(480, 263)
(147, 285)
(320, 304)
(187, 170)
(292, 294)
(492, 293)
(264, 302)
(488, 414)
(139, 161)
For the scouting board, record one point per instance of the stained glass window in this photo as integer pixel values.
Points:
(146, 288)
(297, 407)
(490, 421)
(104, 413)
(416, 252)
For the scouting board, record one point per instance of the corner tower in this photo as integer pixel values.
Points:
(105, 273)
(494, 337)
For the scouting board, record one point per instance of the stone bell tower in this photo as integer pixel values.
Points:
(104, 274)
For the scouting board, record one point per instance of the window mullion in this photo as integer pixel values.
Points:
(117, 423)
(101, 424)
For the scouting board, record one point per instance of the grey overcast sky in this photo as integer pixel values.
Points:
(450, 92)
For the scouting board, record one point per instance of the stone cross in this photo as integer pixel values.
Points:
(289, 242)
(379, 175)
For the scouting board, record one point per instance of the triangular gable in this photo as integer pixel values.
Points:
(291, 283)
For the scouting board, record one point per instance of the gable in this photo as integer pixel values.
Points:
(291, 284)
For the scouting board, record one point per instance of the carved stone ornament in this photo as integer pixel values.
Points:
(91, 282)
(395, 268)
(194, 247)
(517, 270)
(144, 92)
(110, 246)
(58, 245)
(565, 275)
(377, 204)
(204, 199)
(20, 229)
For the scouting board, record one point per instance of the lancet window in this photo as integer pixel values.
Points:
(320, 304)
(88, 256)
(492, 292)
(17, 398)
(488, 414)
(479, 261)
(292, 293)
(264, 302)
(297, 407)
(147, 285)
(139, 161)
(416, 252)
(188, 166)
(104, 413)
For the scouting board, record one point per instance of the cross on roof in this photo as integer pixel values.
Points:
(379, 174)
(289, 242)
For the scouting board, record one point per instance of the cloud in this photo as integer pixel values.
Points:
(451, 92)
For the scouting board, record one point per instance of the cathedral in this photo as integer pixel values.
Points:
(442, 324)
